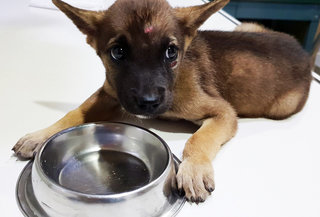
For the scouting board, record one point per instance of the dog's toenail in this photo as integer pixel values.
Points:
(181, 192)
(192, 199)
(211, 190)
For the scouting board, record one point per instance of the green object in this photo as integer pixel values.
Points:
(283, 1)
(256, 10)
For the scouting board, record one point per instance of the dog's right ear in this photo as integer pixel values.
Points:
(191, 18)
(86, 21)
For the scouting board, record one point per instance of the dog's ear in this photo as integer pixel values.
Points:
(87, 21)
(191, 18)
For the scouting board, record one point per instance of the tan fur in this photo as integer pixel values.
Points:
(200, 149)
(287, 104)
(252, 72)
(251, 27)
(188, 41)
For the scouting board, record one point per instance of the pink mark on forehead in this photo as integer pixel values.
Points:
(148, 29)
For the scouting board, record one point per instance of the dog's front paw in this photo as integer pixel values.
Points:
(29, 145)
(196, 180)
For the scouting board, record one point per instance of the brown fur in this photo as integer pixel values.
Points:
(251, 72)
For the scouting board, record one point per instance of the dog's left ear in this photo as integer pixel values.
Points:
(191, 18)
(86, 21)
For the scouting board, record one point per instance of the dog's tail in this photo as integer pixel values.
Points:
(251, 27)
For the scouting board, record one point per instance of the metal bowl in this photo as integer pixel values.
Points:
(105, 169)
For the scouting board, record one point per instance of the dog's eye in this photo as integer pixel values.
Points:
(118, 53)
(172, 53)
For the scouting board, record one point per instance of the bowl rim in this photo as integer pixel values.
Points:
(118, 196)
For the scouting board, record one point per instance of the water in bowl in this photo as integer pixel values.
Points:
(104, 172)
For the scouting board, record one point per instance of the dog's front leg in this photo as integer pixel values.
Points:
(195, 174)
(100, 106)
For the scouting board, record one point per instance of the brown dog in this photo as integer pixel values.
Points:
(159, 65)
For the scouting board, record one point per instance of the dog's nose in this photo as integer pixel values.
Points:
(148, 102)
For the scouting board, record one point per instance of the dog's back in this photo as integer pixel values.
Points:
(261, 73)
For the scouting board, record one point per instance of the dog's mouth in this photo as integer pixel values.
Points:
(145, 111)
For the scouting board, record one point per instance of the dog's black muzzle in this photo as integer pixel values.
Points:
(145, 92)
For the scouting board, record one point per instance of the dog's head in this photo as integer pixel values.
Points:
(141, 44)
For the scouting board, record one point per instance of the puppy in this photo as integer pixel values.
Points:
(159, 65)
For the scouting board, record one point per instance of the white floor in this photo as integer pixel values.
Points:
(271, 168)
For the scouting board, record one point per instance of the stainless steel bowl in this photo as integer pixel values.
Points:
(105, 169)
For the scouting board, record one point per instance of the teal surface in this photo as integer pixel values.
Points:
(282, 1)
(256, 10)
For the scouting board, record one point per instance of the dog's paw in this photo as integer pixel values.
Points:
(29, 145)
(196, 180)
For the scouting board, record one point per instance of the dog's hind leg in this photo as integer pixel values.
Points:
(288, 104)
(100, 106)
